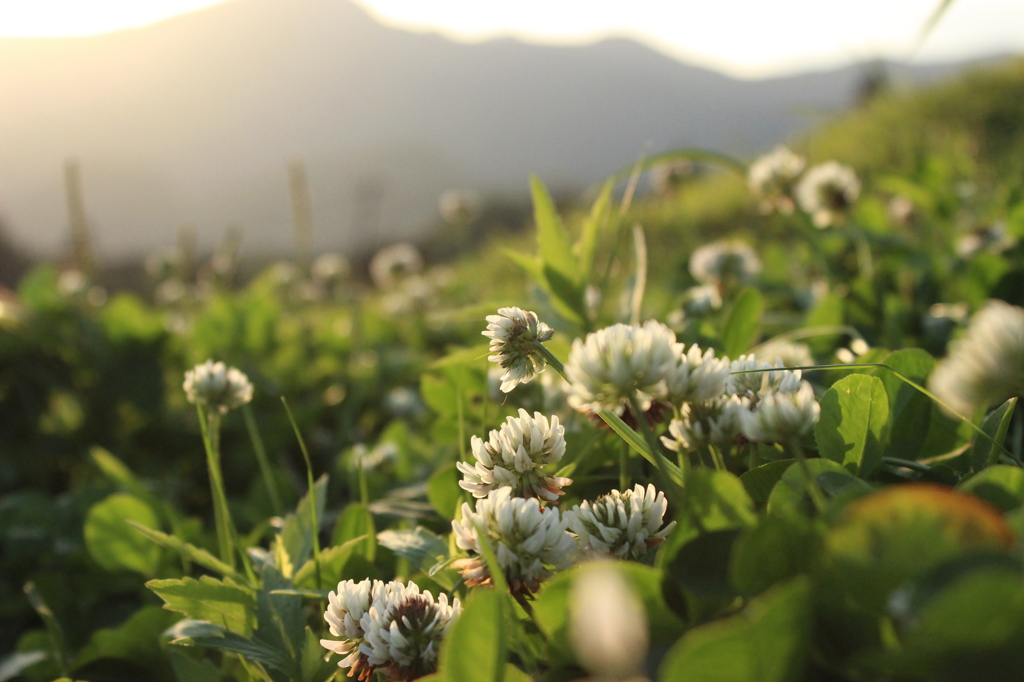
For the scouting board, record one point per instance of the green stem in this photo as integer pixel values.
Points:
(817, 497)
(624, 467)
(672, 488)
(209, 424)
(865, 264)
(314, 521)
(261, 457)
(717, 458)
(907, 464)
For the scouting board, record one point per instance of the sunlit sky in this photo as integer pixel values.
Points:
(743, 37)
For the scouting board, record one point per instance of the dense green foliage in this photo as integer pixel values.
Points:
(884, 543)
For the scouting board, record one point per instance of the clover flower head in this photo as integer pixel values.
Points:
(783, 414)
(827, 191)
(531, 542)
(712, 422)
(771, 178)
(697, 376)
(701, 300)
(669, 176)
(620, 362)
(752, 384)
(387, 626)
(516, 335)
(724, 263)
(217, 386)
(986, 365)
(459, 206)
(621, 524)
(514, 456)
(394, 263)
(329, 268)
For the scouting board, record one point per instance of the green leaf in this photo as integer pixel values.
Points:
(474, 648)
(828, 312)
(852, 427)
(984, 452)
(717, 500)
(421, 547)
(316, 667)
(759, 481)
(701, 566)
(205, 634)
(223, 603)
(189, 551)
(189, 665)
(1001, 486)
(137, 639)
(356, 521)
(333, 563)
(566, 295)
(790, 493)
(768, 642)
(777, 549)
(586, 245)
(443, 490)
(531, 265)
(742, 323)
(54, 631)
(280, 617)
(296, 535)
(552, 238)
(112, 543)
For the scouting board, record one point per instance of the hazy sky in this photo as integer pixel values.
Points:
(743, 37)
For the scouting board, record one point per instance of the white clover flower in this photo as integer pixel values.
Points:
(513, 457)
(621, 524)
(619, 362)
(515, 336)
(724, 263)
(329, 268)
(986, 365)
(458, 207)
(697, 376)
(702, 299)
(751, 384)
(390, 626)
(782, 414)
(713, 422)
(669, 176)
(827, 192)
(217, 386)
(393, 263)
(530, 542)
(785, 353)
(771, 178)
(607, 624)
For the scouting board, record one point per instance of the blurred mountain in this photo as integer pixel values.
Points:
(192, 121)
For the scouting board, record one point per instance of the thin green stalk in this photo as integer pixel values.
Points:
(461, 417)
(209, 425)
(624, 467)
(717, 458)
(261, 457)
(907, 464)
(817, 497)
(315, 529)
(865, 264)
(672, 488)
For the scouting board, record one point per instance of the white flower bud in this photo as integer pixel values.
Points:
(217, 386)
(515, 336)
(621, 524)
(827, 192)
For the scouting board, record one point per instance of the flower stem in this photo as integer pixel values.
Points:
(672, 489)
(209, 424)
(717, 458)
(817, 497)
(261, 457)
(314, 522)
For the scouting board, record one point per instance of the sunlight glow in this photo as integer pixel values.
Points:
(51, 18)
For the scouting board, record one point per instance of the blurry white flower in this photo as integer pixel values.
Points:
(403, 402)
(782, 414)
(329, 268)
(390, 626)
(771, 178)
(530, 542)
(697, 376)
(369, 459)
(163, 264)
(993, 239)
(619, 362)
(986, 365)
(607, 623)
(72, 283)
(713, 422)
(459, 206)
(702, 300)
(393, 263)
(901, 211)
(845, 356)
(513, 457)
(217, 386)
(724, 263)
(621, 524)
(516, 335)
(827, 192)
(942, 318)
(786, 353)
(170, 292)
